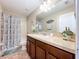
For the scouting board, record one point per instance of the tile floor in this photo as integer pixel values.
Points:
(17, 55)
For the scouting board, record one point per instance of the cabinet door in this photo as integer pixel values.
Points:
(40, 53)
(50, 56)
(28, 47)
(32, 50)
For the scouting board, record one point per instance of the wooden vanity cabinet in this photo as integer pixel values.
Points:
(40, 50)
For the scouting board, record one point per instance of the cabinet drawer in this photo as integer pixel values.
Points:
(41, 44)
(61, 54)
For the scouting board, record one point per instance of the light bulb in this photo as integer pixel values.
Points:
(53, 6)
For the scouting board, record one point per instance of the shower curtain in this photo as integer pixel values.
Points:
(10, 31)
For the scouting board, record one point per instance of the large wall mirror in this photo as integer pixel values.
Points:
(56, 18)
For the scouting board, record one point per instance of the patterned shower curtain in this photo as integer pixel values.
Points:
(10, 31)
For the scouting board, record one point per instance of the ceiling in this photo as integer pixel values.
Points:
(23, 7)
(26, 7)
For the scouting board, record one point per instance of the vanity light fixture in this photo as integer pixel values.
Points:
(66, 1)
(53, 6)
(46, 6)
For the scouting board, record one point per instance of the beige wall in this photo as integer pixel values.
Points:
(0, 8)
(31, 20)
(23, 29)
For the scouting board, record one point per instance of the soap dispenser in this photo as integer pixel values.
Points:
(65, 35)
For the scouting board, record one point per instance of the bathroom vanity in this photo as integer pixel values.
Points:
(46, 47)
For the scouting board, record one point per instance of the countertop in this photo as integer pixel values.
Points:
(55, 41)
